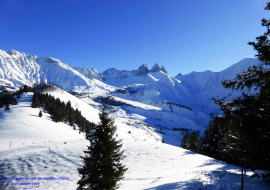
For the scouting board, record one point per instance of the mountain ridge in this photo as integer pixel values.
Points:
(154, 87)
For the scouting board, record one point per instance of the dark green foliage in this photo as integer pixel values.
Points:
(243, 133)
(60, 111)
(43, 87)
(194, 142)
(25, 88)
(14, 101)
(35, 103)
(185, 141)
(191, 141)
(20, 90)
(213, 141)
(7, 107)
(266, 177)
(102, 164)
(40, 114)
(8, 99)
(71, 119)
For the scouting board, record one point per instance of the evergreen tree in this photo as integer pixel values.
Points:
(102, 164)
(71, 118)
(40, 114)
(194, 142)
(247, 132)
(185, 141)
(14, 101)
(35, 103)
(25, 88)
(1, 104)
(191, 141)
(20, 90)
(213, 141)
(7, 107)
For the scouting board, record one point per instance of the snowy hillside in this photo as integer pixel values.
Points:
(31, 146)
(207, 84)
(90, 73)
(17, 68)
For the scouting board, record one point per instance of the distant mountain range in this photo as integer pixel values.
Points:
(192, 92)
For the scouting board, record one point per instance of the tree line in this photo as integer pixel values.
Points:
(61, 111)
(7, 99)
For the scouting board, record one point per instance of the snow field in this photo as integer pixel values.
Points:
(42, 148)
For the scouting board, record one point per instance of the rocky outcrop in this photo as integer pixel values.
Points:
(163, 69)
(155, 68)
(142, 70)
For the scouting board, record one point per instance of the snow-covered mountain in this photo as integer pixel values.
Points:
(141, 76)
(184, 101)
(194, 90)
(17, 68)
(208, 83)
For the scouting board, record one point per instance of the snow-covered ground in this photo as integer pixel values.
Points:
(31, 146)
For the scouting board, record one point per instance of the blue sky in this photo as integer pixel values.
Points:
(184, 36)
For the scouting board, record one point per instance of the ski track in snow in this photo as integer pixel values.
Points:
(30, 126)
(63, 157)
(148, 131)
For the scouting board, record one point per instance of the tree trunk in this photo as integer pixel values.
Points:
(242, 180)
(245, 167)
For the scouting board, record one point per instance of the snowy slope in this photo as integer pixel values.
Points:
(90, 73)
(17, 130)
(37, 147)
(205, 85)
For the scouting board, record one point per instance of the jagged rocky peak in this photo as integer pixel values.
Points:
(49, 59)
(179, 74)
(85, 70)
(110, 70)
(94, 70)
(12, 52)
(142, 70)
(155, 68)
(163, 69)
